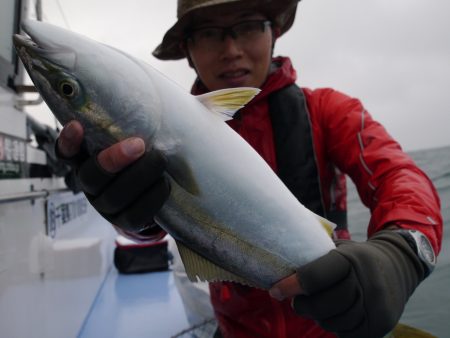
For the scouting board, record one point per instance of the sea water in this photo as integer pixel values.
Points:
(429, 307)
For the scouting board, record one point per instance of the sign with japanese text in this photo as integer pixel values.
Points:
(63, 211)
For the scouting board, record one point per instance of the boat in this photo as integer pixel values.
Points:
(57, 275)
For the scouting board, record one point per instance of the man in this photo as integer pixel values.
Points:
(358, 289)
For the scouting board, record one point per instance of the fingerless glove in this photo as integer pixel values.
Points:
(360, 289)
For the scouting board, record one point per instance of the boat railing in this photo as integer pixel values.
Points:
(29, 195)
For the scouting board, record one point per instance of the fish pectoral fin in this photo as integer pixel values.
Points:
(198, 268)
(226, 102)
(181, 173)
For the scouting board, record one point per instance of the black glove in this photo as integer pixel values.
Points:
(360, 289)
(129, 199)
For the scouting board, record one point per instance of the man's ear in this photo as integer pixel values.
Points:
(191, 64)
(276, 32)
(185, 49)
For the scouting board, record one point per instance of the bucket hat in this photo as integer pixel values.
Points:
(280, 12)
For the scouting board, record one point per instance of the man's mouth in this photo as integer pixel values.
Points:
(234, 74)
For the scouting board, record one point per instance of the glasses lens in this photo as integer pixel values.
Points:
(249, 28)
(212, 37)
(207, 35)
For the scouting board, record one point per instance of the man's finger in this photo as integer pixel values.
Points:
(69, 141)
(287, 287)
(120, 155)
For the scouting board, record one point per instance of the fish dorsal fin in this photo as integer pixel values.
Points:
(198, 268)
(226, 102)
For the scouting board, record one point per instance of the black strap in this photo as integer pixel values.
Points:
(296, 159)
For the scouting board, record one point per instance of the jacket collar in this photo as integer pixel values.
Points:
(282, 74)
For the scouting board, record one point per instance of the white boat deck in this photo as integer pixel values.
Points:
(133, 306)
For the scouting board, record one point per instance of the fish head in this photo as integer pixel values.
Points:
(82, 79)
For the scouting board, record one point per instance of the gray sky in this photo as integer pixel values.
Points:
(392, 55)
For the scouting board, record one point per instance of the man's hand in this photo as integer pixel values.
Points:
(112, 159)
(123, 182)
(358, 289)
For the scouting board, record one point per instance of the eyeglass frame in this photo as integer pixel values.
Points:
(228, 30)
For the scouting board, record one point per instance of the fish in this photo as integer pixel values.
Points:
(232, 217)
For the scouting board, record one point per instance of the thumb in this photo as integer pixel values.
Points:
(287, 287)
(120, 155)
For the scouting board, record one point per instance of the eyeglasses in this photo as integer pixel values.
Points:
(212, 37)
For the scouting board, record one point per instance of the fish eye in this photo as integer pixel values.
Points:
(68, 89)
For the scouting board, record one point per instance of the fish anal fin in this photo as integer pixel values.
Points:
(406, 331)
(198, 268)
(226, 102)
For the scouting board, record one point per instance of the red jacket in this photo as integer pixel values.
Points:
(346, 138)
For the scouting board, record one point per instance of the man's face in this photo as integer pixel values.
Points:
(234, 61)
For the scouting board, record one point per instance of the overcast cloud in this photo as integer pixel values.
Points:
(392, 55)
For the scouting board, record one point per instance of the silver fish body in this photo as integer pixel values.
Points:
(226, 204)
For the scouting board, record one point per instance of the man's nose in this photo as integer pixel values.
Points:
(231, 46)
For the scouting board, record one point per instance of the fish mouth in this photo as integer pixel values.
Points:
(33, 58)
(31, 55)
(22, 41)
(26, 48)
(31, 41)
(35, 51)
(26, 45)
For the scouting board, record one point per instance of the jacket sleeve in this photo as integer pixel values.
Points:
(388, 181)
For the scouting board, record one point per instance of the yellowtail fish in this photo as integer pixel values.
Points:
(230, 214)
